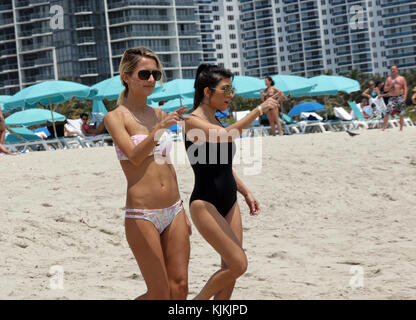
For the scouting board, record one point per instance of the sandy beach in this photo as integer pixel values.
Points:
(338, 221)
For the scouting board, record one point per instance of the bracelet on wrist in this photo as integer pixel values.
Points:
(260, 110)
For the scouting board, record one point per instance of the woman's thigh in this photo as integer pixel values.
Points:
(144, 240)
(176, 248)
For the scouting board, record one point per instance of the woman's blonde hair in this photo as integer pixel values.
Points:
(128, 64)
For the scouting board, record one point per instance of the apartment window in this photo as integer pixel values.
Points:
(374, 44)
(283, 68)
(380, 23)
(235, 65)
(281, 49)
(215, 8)
(328, 51)
(217, 37)
(282, 58)
(216, 18)
(323, 2)
(233, 46)
(278, 20)
(381, 33)
(217, 27)
(325, 31)
(375, 54)
(234, 55)
(329, 61)
(376, 64)
(219, 46)
(231, 27)
(279, 29)
(220, 56)
(280, 39)
(232, 36)
(230, 18)
(323, 12)
(326, 41)
(229, 8)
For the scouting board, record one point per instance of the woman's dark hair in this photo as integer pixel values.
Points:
(84, 115)
(208, 76)
(270, 79)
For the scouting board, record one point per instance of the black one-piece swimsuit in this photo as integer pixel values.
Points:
(214, 180)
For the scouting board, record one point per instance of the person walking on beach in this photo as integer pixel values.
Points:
(272, 115)
(396, 86)
(157, 229)
(213, 203)
(414, 98)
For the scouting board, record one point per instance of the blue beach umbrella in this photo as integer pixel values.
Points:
(306, 107)
(175, 104)
(178, 88)
(331, 85)
(31, 117)
(111, 88)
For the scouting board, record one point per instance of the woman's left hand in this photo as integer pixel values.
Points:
(253, 204)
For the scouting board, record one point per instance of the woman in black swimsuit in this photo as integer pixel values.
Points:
(213, 203)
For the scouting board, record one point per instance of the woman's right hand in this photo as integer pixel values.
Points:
(173, 118)
(270, 103)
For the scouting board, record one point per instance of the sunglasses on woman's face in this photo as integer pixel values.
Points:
(228, 91)
(145, 74)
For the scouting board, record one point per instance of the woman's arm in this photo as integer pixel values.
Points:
(207, 131)
(365, 93)
(252, 203)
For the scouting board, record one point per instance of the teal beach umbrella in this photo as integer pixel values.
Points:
(248, 87)
(111, 88)
(293, 85)
(31, 117)
(48, 93)
(178, 88)
(3, 99)
(331, 85)
(175, 104)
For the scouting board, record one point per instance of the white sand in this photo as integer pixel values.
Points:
(329, 202)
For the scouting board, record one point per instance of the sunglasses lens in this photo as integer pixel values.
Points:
(144, 74)
(156, 75)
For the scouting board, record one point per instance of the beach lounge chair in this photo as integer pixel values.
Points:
(347, 122)
(88, 141)
(256, 129)
(310, 126)
(21, 139)
(366, 123)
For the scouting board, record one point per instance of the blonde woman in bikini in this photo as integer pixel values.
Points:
(157, 229)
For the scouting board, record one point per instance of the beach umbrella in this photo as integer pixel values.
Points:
(294, 85)
(111, 88)
(178, 88)
(31, 117)
(331, 85)
(3, 99)
(48, 93)
(248, 87)
(175, 104)
(306, 107)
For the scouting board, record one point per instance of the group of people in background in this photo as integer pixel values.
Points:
(387, 98)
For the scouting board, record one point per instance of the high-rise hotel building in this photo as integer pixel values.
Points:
(88, 45)
(308, 37)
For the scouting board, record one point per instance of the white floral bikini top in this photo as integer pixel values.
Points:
(163, 148)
